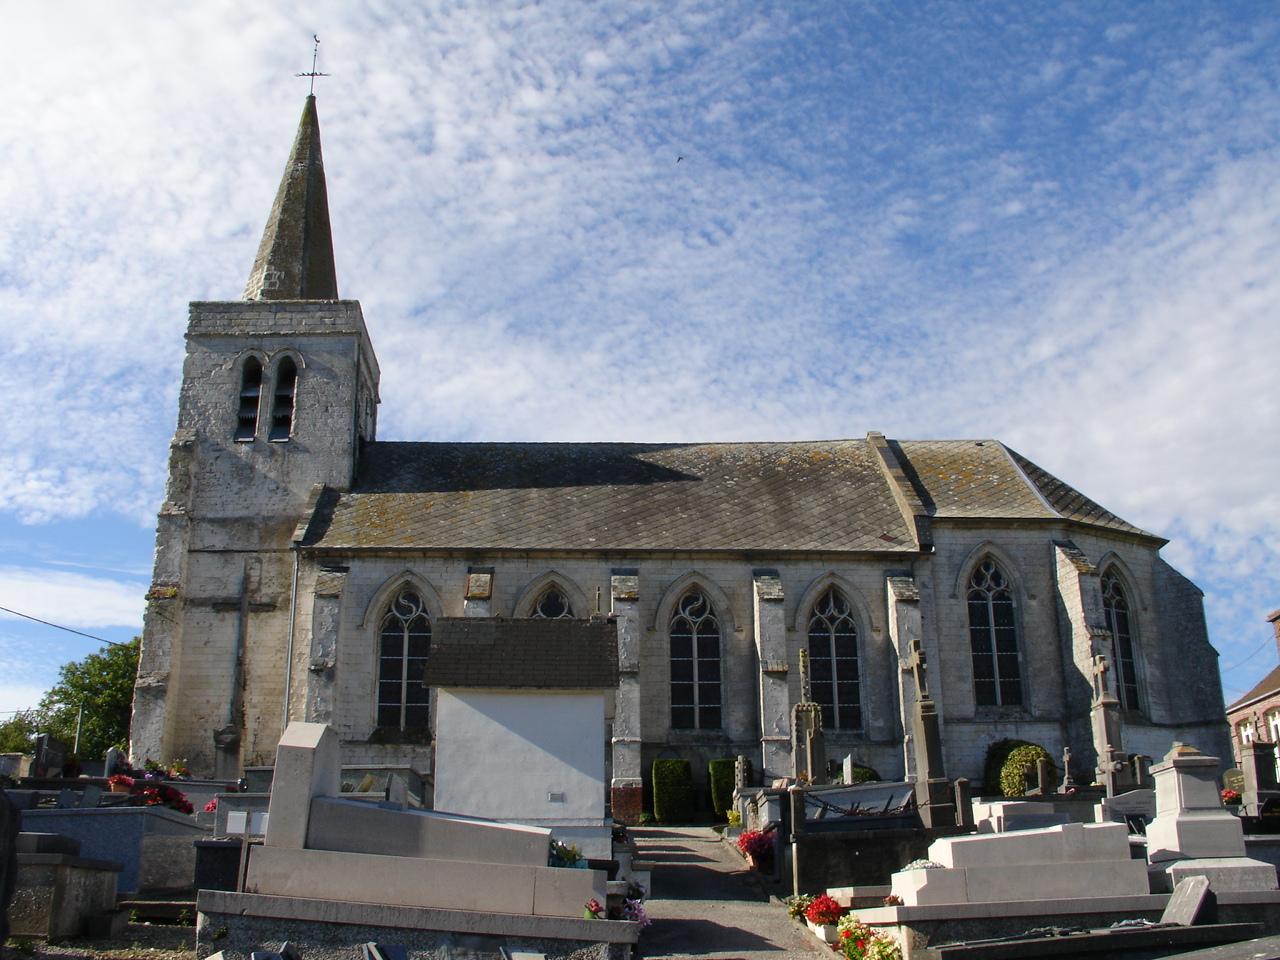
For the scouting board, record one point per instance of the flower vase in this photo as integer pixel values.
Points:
(826, 932)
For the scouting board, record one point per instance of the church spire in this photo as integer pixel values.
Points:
(295, 258)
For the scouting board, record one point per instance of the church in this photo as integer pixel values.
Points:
(301, 563)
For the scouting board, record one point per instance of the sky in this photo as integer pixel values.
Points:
(1056, 225)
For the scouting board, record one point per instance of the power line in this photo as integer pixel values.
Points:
(58, 626)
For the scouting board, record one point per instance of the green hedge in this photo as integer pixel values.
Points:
(720, 776)
(672, 791)
(997, 754)
(1021, 766)
(863, 775)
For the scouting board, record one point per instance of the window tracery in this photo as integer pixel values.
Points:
(833, 662)
(404, 641)
(695, 664)
(1115, 603)
(552, 604)
(993, 637)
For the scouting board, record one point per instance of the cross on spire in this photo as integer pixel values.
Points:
(315, 52)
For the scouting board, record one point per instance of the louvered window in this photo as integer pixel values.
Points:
(249, 400)
(282, 400)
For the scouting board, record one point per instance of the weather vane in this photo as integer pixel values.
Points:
(314, 54)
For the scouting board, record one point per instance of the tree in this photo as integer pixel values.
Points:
(18, 732)
(103, 683)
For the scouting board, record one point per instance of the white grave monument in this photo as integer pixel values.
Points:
(1070, 861)
(1193, 834)
(320, 846)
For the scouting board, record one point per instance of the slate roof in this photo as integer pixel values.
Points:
(1266, 686)
(822, 497)
(523, 654)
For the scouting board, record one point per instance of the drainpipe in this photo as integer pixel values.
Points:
(288, 660)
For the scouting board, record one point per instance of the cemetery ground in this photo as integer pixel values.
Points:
(140, 941)
(706, 903)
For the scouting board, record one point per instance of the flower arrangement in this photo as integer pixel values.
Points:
(178, 769)
(634, 911)
(162, 795)
(117, 780)
(797, 905)
(823, 911)
(1230, 797)
(734, 818)
(893, 900)
(857, 941)
(755, 844)
(591, 910)
(211, 806)
(565, 855)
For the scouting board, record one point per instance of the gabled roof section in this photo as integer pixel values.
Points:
(295, 258)
(873, 496)
(493, 653)
(1071, 504)
(775, 497)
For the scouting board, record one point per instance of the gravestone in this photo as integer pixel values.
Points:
(113, 762)
(10, 820)
(1258, 764)
(1125, 807)
(383, 951)
(933, 791)
(1067, 784)
(1192, 834)
(50, 755)
(1192, 902)
(808, 746)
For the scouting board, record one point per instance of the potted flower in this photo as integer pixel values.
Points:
(591, 910)
(757, 847)
(119, 783)
(1231, 797)
(857, 941)
(822, 915)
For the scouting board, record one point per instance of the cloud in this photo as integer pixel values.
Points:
(71, 599)
(1032, 224)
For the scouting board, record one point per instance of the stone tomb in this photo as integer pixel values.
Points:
(1069, 861)
(1193, 835)
(321, 846)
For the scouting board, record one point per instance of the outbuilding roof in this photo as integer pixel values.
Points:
(496, 653)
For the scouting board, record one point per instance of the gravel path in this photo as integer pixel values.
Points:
(705, 903)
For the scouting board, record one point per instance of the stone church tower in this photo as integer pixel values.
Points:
(250, 449)
(301, 563)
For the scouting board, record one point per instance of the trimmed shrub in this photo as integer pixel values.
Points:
(997, 754)
(720, 778)
(863, 775)
(1021, 764)
(672, 791)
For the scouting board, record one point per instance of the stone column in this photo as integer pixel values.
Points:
(478, 600)
(626, 788)
(771, 650)
(322, 664)
(905, 634)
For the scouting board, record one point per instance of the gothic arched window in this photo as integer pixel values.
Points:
(249, 399)
(993, 637)
(552, 605)
(404, 639)
(282, 400)
(1115, 602)
(833, 662)
(695, 664)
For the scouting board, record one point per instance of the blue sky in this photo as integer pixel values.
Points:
(1057, 225)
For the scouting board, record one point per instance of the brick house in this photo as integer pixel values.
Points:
(1255, 717)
